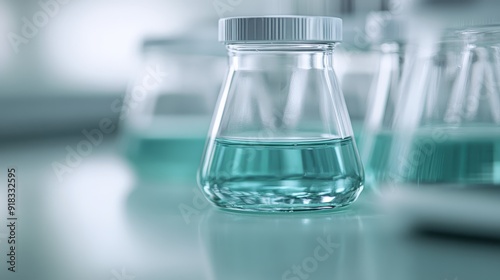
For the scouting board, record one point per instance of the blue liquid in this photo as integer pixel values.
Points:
(376, 150)
(283, 175)
(357, 127)
(461, 156)
(173, 159)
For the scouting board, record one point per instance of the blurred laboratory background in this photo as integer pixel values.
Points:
(86, 53)
(105, 108)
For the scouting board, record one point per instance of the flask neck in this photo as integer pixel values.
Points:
(280, 56)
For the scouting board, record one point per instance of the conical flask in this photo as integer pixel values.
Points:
(281, 138)
(388, 35)
(449, 119)
(166, 113)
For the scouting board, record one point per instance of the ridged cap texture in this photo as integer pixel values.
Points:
(285, 29)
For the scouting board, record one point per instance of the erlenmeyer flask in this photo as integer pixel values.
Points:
(166, 113)
(387, 33)
(449, 118)
(281, 139)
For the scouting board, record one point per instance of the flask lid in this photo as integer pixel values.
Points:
(280, 29)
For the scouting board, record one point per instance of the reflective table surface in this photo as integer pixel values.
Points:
(102, 220)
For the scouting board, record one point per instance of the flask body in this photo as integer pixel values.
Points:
(281, 139)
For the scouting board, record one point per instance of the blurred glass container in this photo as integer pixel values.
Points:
(448, 120)
(167, 111)
(356, 66)
(355, 78)
(387, 34)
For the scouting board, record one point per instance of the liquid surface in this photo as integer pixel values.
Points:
(468, 156)
(284, 175)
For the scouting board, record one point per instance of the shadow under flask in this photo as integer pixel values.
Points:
(281, 138)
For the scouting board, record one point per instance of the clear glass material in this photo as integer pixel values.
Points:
(377, 134)
(449, 120)
(356, 68)
(281, 138)
(166, 113)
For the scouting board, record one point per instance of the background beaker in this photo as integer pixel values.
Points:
(168, 108)
(448, 122)
(388, 35)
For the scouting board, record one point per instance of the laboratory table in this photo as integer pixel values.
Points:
(102, 221)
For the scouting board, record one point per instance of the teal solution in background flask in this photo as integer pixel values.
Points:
(387, 33)
(448, 128)
(460, 156)
(165, 123)
(377, 161)
(281, 138)
(170, 151)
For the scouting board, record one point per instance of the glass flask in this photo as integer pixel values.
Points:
(449, 120)
(281, 138)
(387, 33)
(166, 113)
